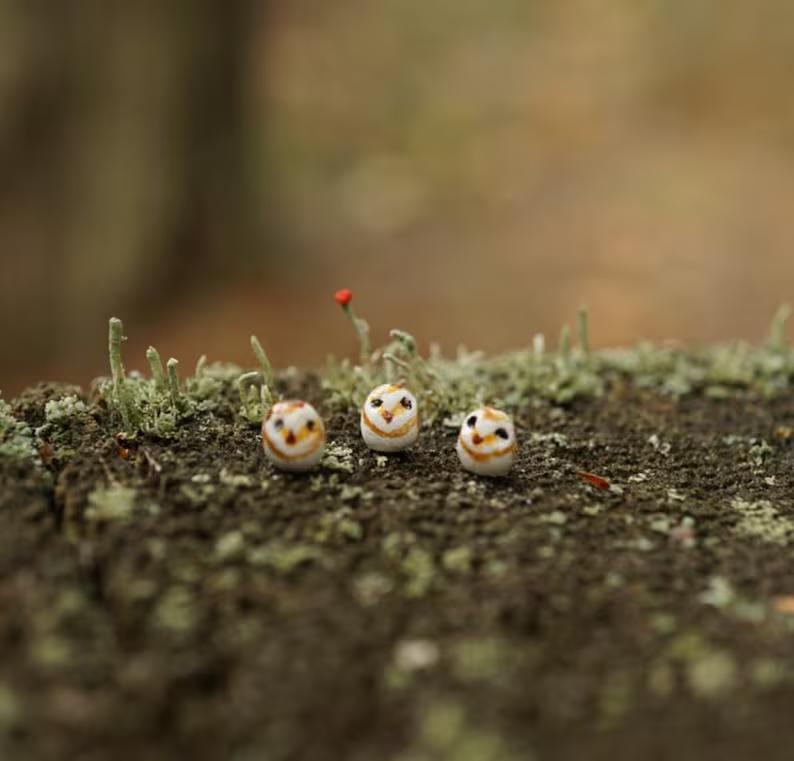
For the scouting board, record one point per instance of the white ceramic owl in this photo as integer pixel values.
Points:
(390, 418)
(293, 435)
(487, 442)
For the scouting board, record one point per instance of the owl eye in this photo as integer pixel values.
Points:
(310, 425)
(278, 424)
(376, 402)
(502, 433)
(406, 402)
(472, 421)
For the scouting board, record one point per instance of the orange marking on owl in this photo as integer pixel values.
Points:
(293, 457)
(489, 413)
(485, 456)
(396, 433)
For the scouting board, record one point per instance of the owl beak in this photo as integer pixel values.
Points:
(476, 439)
(290, 439)
(386, 415)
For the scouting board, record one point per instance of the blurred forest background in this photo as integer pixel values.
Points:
(472, 170)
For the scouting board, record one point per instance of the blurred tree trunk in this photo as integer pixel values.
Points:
(123, 155)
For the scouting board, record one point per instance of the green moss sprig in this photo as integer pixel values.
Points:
(254, 388)
(153, 406)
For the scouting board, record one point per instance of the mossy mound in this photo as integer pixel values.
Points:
(167, 594)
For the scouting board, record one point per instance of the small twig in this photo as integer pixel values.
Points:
(154, 466)
(596, 481)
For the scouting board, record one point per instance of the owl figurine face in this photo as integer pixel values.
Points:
(293, 436)
(390, 418)
(487, 442)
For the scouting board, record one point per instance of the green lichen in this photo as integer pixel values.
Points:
(446, 733)
(339, 525)
(50, 651)
(283, 558)
(371, 587)
(419, 570)
(17, 443)
(110, 503)
(65, 420)
(350, 529)
(230, 546)
(760, 519)
(758, 450)
(777, 330)
(712, 674)
(457, 560)
(204, 388)
(339, 457)
(197, 493)
(768, 673)
(615, 698)
(661, 679)
(255, 388)
(236, 480)
(154, 406)
(176, 612)
(480, 659)
(720, 370)
(449, 385)
(10, 709)
(156, 367)
(59, 412)
(397, 543)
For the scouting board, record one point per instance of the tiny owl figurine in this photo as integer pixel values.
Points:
(390, 418)
(293, 436)
(487, 442)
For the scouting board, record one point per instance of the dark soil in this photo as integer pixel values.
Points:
(401, 609)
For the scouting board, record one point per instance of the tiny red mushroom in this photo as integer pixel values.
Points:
(343, 297)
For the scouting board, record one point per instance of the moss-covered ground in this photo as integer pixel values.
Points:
(166, 594)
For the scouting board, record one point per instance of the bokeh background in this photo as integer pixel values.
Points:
(473, 171)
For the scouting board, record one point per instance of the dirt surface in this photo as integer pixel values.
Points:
(180, 599)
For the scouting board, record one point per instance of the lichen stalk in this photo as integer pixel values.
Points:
(582, 323)
(115, 339)
(173, 381)
(156, 366)
(565, 343)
